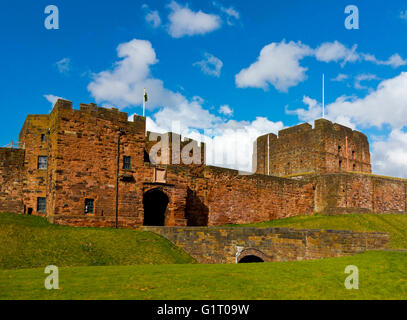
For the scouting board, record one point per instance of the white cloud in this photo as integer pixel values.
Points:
(185, 22)
(123, 85)
(340, 77)
(389, 156)
(226, 110)
(231, 12)
(336, 51)
(385, 105)
(211, 65)
(364, 77)
(232, 15)
(403, 15)
(278, 65)
(394, 61)
(63, 65)
(189, 114)
(153, 18)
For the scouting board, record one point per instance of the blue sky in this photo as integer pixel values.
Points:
(231, 70)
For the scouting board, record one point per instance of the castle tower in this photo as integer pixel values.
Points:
(326, 148)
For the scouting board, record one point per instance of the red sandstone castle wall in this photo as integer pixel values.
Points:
(35, 183)
(84, 164)
(11, 180)
(234, 198)
(347, 192)
(217, 196)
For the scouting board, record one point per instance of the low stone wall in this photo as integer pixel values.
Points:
(229, 245)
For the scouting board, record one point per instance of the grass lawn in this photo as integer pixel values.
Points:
(30, 242)
(104, 263)
(394, 224)
(382, 275)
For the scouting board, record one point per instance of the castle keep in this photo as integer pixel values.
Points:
(91, 167)
(328, 148)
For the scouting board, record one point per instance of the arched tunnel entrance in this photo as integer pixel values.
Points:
(251, 259)
(155, 205)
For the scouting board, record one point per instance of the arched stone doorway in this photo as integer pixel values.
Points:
(251, 259)
(155, 204)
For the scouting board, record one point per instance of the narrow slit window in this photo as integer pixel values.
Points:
(43, 138)
(41, 205)
(89, 206)
(126, 162)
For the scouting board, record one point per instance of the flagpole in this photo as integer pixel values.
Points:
(323, 96)
(144, 103)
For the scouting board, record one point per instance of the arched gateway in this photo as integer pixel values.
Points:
(155, 204)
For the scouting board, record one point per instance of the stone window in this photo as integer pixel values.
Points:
(42, 162)
(353, 155)
(89, 205)
(126, 162)
(43, 138)
(340, 164)
(41, 205)
(354, 167)
(339, 150)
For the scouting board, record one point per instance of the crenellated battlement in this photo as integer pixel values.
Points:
(112, 114)
(298, 129)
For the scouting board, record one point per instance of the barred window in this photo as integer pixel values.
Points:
(41, 205)
(89, 205)
(126, 162)
(42, 162)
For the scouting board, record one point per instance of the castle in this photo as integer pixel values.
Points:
(92, 167)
